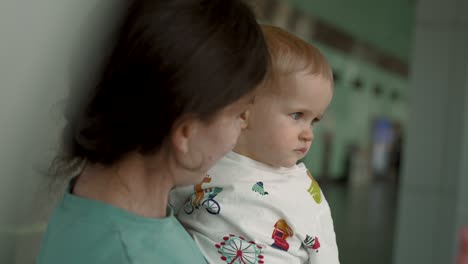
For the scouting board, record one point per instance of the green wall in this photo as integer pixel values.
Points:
(351, 111)
(386, 25)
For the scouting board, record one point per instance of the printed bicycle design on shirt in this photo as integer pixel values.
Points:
(235, 250)
(204, 197)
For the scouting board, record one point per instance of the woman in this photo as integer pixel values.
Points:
(168, 105)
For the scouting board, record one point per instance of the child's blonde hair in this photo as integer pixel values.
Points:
(290, 55)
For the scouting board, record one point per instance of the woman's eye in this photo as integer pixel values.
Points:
(296, 116)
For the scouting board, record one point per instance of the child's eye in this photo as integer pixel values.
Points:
(297, 115)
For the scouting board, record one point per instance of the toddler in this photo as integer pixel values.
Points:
(256, 205)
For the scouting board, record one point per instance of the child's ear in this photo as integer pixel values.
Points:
(245, 120)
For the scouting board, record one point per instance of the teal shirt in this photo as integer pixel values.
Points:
(83, 231)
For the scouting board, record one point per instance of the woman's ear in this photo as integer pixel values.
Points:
(185, 140)
(182, 133)
(245, 120)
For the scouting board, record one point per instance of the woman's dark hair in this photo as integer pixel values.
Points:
(172, 58)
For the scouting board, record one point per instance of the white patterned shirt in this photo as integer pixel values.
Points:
(245, 211)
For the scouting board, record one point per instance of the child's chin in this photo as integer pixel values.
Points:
(289, 163)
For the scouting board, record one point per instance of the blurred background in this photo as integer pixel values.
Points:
(391, 153)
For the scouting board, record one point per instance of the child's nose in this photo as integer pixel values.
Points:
(307, 134)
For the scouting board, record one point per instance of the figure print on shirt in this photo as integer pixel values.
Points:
(204, 197)
(280, 234)
(312, 243)
(314, 189)
(235, 249)
(258, 187)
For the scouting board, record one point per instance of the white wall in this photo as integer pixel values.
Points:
(46, 47)
(432, 202)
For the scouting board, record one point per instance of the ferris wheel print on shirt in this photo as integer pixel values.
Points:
(236, 250)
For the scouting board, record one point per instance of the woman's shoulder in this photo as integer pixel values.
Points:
(93, 232)
(169, 243)
(80, 241)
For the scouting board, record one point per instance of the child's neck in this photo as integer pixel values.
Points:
(243, 150)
